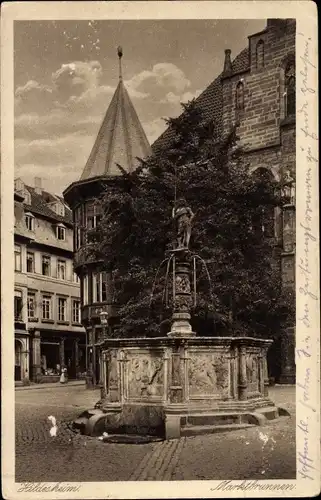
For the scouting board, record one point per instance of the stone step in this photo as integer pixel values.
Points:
(90, 413)
(270, 412)
(211, 418)
(196, 430)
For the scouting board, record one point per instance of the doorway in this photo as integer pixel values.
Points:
(70, 361)
(18, 358)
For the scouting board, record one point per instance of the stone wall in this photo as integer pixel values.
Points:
(268, 138)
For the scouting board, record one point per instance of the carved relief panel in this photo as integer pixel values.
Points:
(208, 375)
(182, 284)
(252, 373)
(112, 375)
(144, 375)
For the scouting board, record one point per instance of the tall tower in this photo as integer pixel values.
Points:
(120, 141)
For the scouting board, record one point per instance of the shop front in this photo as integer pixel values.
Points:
(64, 351)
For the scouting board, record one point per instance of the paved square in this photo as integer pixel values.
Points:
(255, 453)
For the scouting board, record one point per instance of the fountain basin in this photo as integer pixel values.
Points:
(172, 387)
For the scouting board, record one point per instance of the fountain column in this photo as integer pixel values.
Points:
(182, 298)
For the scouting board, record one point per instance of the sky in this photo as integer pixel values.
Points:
(65, 73)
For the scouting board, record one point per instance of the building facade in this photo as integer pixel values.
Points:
(48, 330)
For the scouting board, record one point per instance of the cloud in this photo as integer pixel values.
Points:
(154, 129)
(75, 78)
(56, 123)
(34, 96)
(70, 150)
(177, 99)
(162, 78)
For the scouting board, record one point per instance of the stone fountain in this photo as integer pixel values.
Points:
(181, 384)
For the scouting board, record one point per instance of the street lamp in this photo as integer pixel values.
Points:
(104, 322)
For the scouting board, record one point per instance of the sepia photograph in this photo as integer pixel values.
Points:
(155, 260)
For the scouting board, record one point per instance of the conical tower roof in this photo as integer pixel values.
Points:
(121, 138)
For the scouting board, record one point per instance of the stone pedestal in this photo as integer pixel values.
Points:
(172, 386)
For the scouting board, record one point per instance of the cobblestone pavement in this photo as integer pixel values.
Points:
(253, 453)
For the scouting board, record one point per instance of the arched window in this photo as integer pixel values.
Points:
(260, 54)
(240, 96)
(289, 94)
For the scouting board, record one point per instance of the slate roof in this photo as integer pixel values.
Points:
(210, 102)
(121, 139)
(241, 62)
(39, 206)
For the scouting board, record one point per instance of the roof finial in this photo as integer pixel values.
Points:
(120, 55)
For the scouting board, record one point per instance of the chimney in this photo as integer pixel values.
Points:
(38, 185)
(277, 24)
(227, 62)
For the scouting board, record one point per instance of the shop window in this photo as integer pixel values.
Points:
(46, 307)
(17, 258)
(18, 305)
(31, 304)
(240, 96)
(260, 54)
(46, 265)
(30, 262)
(62, 309)
(50, 359)
(61, 269)
(76, 318)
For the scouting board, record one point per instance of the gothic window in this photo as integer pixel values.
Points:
(240, 96)
(289, 94)
(260, 54)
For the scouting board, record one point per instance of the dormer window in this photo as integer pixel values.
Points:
(61, 209)
(260, 54)
(58, 207)
(27, 197)
(240, 96)
(30, 221)
(61, 232)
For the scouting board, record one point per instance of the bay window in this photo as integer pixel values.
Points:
(100, 287)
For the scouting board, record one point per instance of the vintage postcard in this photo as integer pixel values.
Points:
(159, 250)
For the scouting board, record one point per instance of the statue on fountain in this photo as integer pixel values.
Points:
(183, 216)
